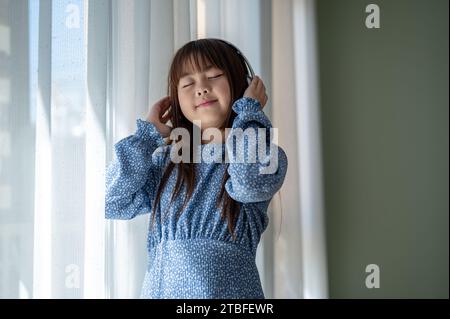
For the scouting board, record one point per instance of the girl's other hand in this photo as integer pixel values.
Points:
(257, 91)
(159, 114)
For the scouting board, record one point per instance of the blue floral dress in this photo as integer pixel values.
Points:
(194, 255)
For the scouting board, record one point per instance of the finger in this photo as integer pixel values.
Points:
(165, 120)
(163, 100)
(167, 102)
(259, 84)
(167, 115)
(262, 85)
(264, 101)
(259, 91)
(165, 107)
(258, 78)
(264, 97)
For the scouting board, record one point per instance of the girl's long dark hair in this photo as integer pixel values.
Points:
(227, 58)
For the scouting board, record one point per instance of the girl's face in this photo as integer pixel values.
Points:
(196, 87)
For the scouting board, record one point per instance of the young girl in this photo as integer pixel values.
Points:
(206, 217)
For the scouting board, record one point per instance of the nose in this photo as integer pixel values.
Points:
(203, 91)
(203, 87)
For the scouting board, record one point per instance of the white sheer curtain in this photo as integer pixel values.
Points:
(53, 148)
(53, 80)
(300, 265)
(16, 153)
(74, 77)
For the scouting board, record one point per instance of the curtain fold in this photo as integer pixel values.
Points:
(42, 270)
(16, 152)
(312, 223)
(296, 114)
(129, 76)
(95, 126)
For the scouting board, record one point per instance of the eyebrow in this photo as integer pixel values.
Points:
(209, 67)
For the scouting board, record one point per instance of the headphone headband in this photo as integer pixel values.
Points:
(250, 72)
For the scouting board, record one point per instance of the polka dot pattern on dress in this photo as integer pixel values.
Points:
(195, 256)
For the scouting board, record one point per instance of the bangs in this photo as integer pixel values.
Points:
(194, 63)
(194, 59)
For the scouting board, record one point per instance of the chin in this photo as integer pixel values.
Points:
(209, 124)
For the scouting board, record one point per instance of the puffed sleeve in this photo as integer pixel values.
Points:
(256, 176)
(133, 176)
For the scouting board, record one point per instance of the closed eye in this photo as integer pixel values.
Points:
(211, 77)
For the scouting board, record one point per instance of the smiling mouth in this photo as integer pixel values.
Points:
(207, 103)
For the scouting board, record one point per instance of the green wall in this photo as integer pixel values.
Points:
(384, 118)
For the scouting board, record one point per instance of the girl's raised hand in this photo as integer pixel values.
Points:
(159, 114)
(257, 91)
